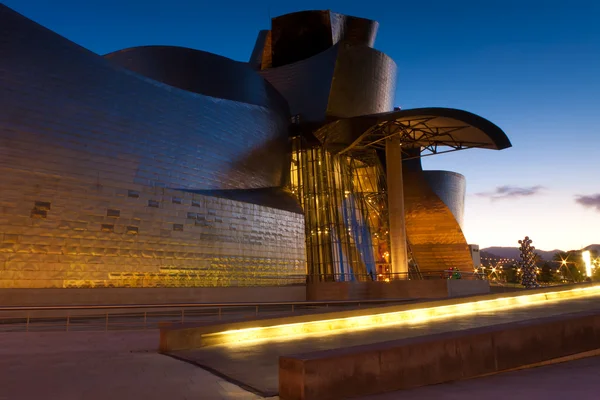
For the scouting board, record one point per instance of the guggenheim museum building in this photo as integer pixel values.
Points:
(162, 166)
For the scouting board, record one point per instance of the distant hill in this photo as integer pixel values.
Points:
(593, 247)
(513, 252)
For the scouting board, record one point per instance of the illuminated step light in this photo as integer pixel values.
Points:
(348, 324)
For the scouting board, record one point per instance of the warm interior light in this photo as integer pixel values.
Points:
(340, 325)
(587, 259)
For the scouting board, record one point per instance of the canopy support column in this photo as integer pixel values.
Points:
(395, 197)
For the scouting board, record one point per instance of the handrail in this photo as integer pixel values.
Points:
(198, 305)
(392, 276)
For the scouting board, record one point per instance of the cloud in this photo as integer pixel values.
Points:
(592, 201)
(511, 192)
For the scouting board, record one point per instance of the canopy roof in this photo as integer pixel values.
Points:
(433, 130)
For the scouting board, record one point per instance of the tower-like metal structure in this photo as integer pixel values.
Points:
(527, 264)
(369, 208)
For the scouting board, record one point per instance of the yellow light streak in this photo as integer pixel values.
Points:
(587, 259)
(341, 325)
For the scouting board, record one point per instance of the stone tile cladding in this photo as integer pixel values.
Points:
(91, 160)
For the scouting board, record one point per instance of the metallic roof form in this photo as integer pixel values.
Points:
(427, 128)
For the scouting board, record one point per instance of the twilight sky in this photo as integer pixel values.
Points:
(530, 66)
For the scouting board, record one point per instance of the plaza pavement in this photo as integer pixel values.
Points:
(125, 365)
(578, 380)
(256, 364)
(102, 365)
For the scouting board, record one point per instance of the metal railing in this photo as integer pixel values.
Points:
(152, 316)
(189, 279)
(388, 276)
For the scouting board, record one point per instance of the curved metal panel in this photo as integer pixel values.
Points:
(94, 155)
(339, 82)
(200, 72)
(256, 58)
(323, 66)
(353, 30)
(451, 188)
(151, 134)
(306, 84)
(304, 34)
(436, 239)
(364, 83)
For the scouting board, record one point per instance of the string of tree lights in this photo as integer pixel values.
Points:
(500, 260)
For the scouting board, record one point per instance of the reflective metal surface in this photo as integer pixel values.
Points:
(201, 72)
(451, 188)
(93, 162)
(432, 228)
(353, 30)
(324, 65)
(364, 83)
(162, 136)
(339, 82)
(256, 58)
(306, 84)
(166, 166)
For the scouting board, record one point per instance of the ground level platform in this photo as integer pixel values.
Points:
(255, 365)
(125, 365)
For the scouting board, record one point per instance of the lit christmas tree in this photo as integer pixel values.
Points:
(527, 264)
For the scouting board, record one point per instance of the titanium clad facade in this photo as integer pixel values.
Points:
(97, 164)
(353, 30)
(260, 47)
(201, 72)
(168, 166)
(364, 83)
(143, 130)
(324, 65)
(433, 206)
(451, 188)
(306, 84)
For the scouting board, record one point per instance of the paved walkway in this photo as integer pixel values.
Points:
(257, 364)
(578, 380)
(101, 365)
(125, 366)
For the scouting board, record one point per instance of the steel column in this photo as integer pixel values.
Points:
(395, 193)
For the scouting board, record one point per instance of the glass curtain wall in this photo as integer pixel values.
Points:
(345, 210)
